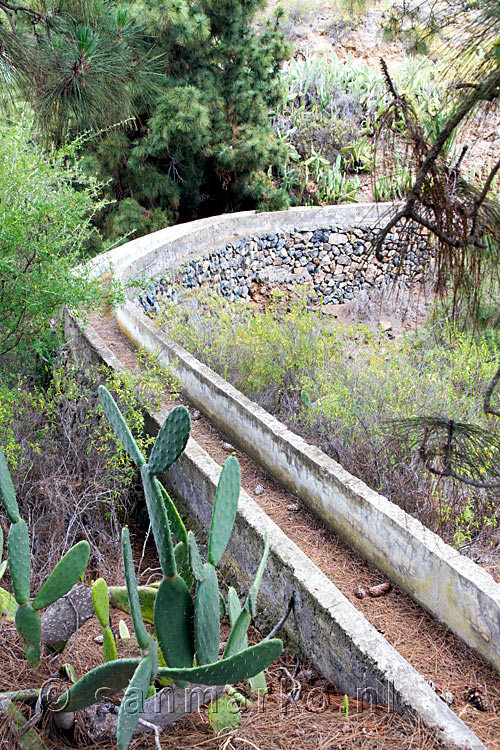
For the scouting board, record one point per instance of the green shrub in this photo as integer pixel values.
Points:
(46, 207)
(341, 385)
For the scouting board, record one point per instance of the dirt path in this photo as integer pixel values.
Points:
(428, 646)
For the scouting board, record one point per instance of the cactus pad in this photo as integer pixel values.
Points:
(224, 511)
(101, 682)
(173, 622)
(233, 605)
(254, 589)
(67, 572)
(237, 640)
(120, 427)
(29, 628)
(195, 561)
(174, 519)
(133, 702)
(206, 617)
(7, 491)
(141, 633)
(238, 667)
(100, 600)
(159, 523)
(18, 549)
(171, 440)
(109, 644)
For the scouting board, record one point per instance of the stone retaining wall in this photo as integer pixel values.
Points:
(333, 263)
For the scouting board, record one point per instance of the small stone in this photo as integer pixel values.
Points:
(293, 507)
(360, 592)
(336, 238)
(98, 639)
(259, 490)
(385, 326)
(195, 414)
(447, 698)
(344, 260)
(228, 446)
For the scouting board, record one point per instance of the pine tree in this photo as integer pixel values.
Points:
(190, 82)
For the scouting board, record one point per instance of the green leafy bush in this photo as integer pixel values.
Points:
(46, 207)
(341, 385)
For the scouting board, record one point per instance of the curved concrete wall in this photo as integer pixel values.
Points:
(454, 589)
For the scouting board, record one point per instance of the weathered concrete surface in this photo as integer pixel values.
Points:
(454, 589)
(324, 627)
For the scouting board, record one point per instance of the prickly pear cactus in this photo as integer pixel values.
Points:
(206, 617)
(173, 618)
(7, 491)
(29, 627)
(195, 561)
(109, 650)
(103, 681)
(67, 572)
(238, 637)
(229, 670)
(118, 598)
(132, 702)
(142, 635)
(171, 440)
(225, 508)
(120, 427)
(174, 519)
(19, 555)
(159, 523)
(100, 601)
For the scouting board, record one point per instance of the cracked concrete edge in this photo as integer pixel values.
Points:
(325, 627)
